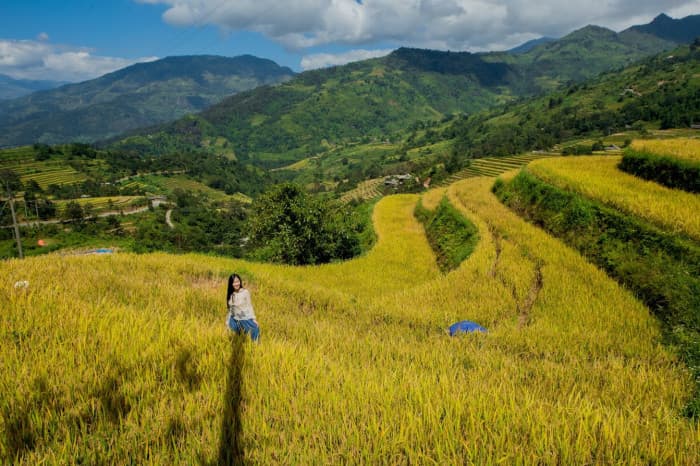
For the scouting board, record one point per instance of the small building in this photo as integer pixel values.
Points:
(391, 181)
(396, 180)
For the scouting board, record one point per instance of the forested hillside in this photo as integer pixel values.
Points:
(375, 99)
(661, 92)
(139, 95)
(657, 93)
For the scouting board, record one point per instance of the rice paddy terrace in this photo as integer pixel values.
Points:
(493, 166)
(22, 161)
(125, 358)
(490, 166)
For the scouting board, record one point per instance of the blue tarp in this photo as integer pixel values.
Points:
(465, 326)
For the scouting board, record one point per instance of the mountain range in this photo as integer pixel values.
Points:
(371, 99)
(276, 124)
(139, 95)
(682, 31)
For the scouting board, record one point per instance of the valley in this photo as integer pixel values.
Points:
(547, 194)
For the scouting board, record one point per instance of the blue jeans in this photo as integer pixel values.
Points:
(245, 326)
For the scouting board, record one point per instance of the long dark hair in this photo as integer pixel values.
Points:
(229, 292)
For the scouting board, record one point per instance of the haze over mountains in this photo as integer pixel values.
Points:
(11, 88)
(369, 98)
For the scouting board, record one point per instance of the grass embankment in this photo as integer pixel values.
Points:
(451, 236)
(673, 162)
(597, 177)
(662, 268)
(125, 358)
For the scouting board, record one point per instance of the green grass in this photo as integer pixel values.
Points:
(452, 236)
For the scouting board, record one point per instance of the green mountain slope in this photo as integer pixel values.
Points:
(659, 92)
(588, 52)
(140, 95)
(375, 99)
(682, 31)
(274, 125)
(531, 44)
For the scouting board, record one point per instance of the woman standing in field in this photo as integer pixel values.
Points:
(241, 316)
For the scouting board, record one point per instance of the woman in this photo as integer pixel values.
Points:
(241, 316)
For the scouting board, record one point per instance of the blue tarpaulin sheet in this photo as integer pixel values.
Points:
(465, 326)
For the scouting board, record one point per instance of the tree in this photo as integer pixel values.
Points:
(10, 180)
(45, 208)
(74, 212)
(288, 225)
(114, 224)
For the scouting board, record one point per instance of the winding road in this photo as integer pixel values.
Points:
(138, 210)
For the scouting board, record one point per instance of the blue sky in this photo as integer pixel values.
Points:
(75, 40)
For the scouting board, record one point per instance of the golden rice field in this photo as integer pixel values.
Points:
(598, 177)
(681, 148)
(125, 358)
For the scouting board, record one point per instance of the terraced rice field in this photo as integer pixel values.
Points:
(126, 358)
(598, 177)
(492, 166)
(45, 173)
(681, 148)
(366, 190)
(101, 204)
(16, 154)
(21, 161)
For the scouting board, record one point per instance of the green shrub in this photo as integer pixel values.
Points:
(452, 237)
(669, 171)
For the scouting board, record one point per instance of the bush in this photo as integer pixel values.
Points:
(669, 171)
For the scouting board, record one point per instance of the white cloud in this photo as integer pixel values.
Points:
(689, 8)
(446, 24)
(322, 60)
(27, 59)
(43, 36)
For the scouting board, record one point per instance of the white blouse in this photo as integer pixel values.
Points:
(239, 305)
